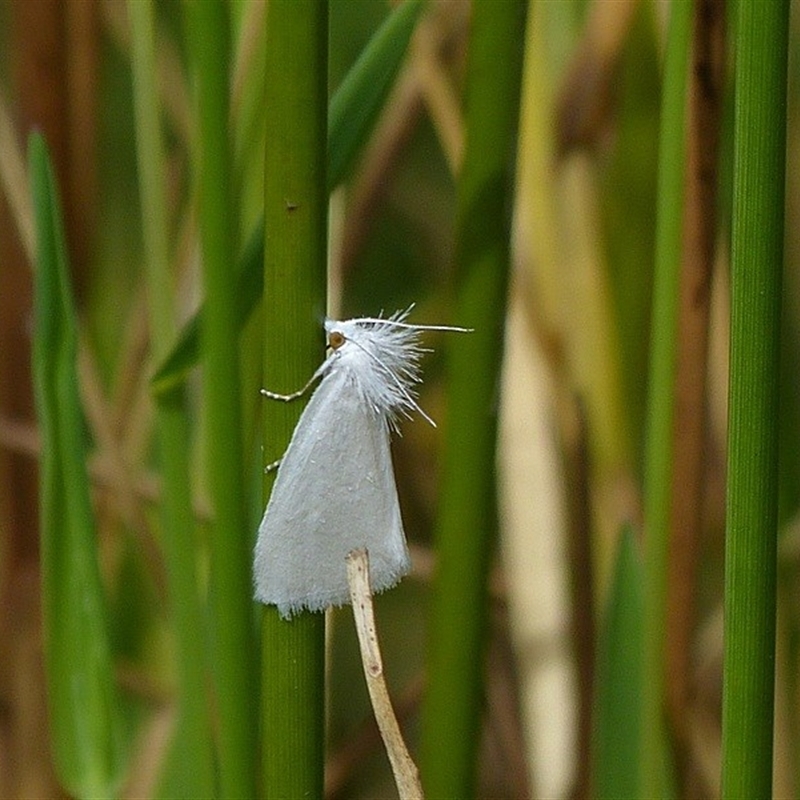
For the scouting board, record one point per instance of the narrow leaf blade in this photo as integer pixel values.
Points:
(617, 719)
(357, 102)
(83, 704)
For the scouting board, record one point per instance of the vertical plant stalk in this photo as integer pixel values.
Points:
(467, 520)
(659, 453)
(295, 219)
(231, 595)
(756, 274)
(192, 762)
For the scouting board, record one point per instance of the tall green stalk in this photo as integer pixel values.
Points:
(231, 593)
(295, 220)
(757, 264)
(467, 521)
(660, 410)
(191, 766)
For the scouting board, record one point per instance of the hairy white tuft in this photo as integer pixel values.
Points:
(381, 359)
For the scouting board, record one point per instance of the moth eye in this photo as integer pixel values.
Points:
(336, 340)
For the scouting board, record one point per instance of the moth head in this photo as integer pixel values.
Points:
(347, 332)
(336, 339)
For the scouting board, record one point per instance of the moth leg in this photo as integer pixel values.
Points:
(287, 397)
(274, 465)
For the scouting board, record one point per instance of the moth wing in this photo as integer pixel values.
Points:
(334, 492)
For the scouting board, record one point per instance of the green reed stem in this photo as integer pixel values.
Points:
(756, 275)
(467, 520)
(295, 252)
(231, 583)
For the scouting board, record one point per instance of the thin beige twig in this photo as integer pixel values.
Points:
(14, 180)
(438, 92)
(405, 771)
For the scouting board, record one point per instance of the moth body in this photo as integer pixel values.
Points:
(335, 488)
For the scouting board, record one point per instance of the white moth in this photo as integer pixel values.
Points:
(335, 489)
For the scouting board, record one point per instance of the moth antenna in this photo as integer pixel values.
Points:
(424, 415)
(397, 324)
